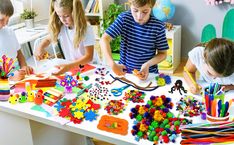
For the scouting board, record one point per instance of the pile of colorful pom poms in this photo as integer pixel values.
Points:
(163, 79)
(115, 107)
(189, 106)
(155, 122)
(77, 109)
(135, 96)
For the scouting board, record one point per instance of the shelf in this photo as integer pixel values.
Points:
(173, 59)
(93, 14)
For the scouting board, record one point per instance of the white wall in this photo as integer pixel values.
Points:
(41, 7)
(193, 15)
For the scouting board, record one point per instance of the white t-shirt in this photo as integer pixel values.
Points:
(196, 57)
(9, 44)
(66, 37)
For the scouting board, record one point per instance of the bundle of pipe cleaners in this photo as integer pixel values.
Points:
(7, 66)
(208, 133)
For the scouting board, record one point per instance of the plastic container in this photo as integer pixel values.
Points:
(217, 119)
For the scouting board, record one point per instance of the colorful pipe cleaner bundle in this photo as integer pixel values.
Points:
(7, 66)
(208, 133)
(214, 101)
(189, 106)
(155, 122)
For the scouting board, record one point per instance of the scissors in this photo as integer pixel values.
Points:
(118, 91)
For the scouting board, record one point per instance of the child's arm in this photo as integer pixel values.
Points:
(190, 77)
(160, 56)
(89, 50)
(228, 87)
(40, 52)
(105, 46)
(22, 63)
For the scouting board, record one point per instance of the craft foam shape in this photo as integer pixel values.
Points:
(121, 127)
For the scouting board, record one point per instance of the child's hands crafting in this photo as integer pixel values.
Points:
(62, 69)
(118, 69)
(144, 71)
(195, 89)
(28, 70)
(41, 54)
(18, 75)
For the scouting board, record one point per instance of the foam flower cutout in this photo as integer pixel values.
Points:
(58, 106)
(79, 115)
(73, 83)
(68, 78)
(63, 83)
(90, 115)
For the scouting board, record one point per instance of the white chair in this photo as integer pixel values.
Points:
(38, 64)
(37, 43)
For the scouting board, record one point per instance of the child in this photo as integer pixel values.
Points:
(9, 44)
(143, 40)
(68, 24)
(215, 63)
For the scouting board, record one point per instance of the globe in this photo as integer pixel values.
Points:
(163, 10)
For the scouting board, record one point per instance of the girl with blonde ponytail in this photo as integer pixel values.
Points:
(68, 25)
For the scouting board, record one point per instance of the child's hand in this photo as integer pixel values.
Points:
(195, 89)
(62, 69)
(228, 87)
(118, 69)
(144, 72)
(28, 70)
(139, 74)
(18, 75)
(41, 54)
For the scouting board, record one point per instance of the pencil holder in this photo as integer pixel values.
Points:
(216, 107)
(217, 119)
(4, 89)
(6, 68)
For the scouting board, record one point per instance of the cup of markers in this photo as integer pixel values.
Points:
(216, 107)
(6, 68)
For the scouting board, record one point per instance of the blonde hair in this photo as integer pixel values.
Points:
(141, 3)
(78, 16)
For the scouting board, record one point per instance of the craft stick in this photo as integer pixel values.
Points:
(220, 91)
(190, 76)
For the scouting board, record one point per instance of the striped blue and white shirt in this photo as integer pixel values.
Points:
(138, 42)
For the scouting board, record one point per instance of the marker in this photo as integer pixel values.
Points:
(190, 76)
(220, 91)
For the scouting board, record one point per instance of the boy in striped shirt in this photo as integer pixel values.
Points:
(143, 40)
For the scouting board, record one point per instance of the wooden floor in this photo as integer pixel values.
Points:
(178, 72)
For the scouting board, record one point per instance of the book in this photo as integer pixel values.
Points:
(89, 5)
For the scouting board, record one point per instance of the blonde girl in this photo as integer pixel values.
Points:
(68, 25)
